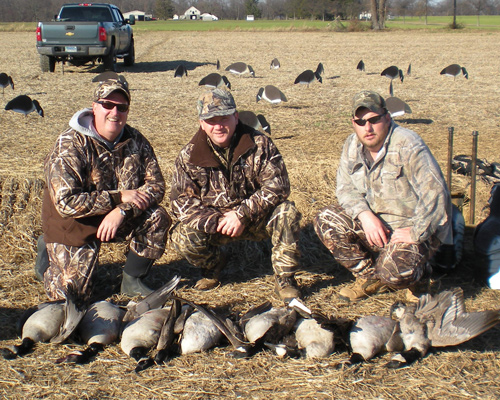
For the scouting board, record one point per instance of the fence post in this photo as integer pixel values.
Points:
(450, 157)
(473, 178)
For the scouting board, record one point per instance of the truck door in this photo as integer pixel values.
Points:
(122, 31)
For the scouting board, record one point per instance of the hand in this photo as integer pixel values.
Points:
(140, 199)
(230, 225)
(375, 231)
(109, 225)
(402, 235)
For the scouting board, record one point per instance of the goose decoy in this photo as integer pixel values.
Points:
(408, 71)
(454, 70)
(255, 121)
(265, 323)
(38, 324)
(24, 104)
(372, 335)
(320, 70)
(393, 72)
(241, 68)
(180, 71)
(397, 107)
(218, 64)
(437, 321)
(307, 77)
(215, 80)
(275, 64)
(360, 66)
(6, 80)
(271, 94)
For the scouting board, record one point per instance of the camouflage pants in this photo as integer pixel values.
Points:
(397, 265)
(282, 226)
(146, 233)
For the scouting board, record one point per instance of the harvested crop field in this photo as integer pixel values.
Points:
(309, 130)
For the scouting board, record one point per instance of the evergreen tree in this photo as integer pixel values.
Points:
(164, 9)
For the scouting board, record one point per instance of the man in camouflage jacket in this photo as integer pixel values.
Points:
(394, 207)
(103, 183)
(230, 183)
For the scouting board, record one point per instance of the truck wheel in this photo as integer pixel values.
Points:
(47, 63)
(109, 60)
(129, 59)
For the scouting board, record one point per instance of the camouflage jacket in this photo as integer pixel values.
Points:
(203, 189)
(404, 186)
(84, 178)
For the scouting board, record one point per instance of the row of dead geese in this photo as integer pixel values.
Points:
(152, 332)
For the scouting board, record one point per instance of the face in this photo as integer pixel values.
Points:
(109, 123)
(371, 135)
(220, 130)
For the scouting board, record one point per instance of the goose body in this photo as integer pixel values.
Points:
(393, 72)
(39, 324)
(438, 321)
(25, 105)
(180, 71)
(372, 335)
(270, 326)
(257, 122)
(275, 64)
(360, 66)
(397, 107)
(307, 77)
(313, 339)
(199, 334)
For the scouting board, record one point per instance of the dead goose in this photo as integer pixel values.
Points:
(25, 105)
(199, 334)
(372, 335)
(38, 324)
(103, 321)
(438, 321)
(265, 323)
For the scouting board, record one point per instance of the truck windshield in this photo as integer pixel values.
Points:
(96, 14)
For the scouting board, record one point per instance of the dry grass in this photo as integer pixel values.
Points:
(309, 130)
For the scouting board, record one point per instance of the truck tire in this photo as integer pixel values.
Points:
(129, 59)
(47, 63)
(109, 60)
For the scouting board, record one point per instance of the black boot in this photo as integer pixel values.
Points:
(135, 268)
(42, 259)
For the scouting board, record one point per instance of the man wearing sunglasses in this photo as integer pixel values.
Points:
(103, 184)
(230, 183)
(394, 208)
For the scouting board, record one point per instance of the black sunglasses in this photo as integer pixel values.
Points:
(122, 107)
(373, 120)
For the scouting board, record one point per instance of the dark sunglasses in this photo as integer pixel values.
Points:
(373, 120)
(109, 105)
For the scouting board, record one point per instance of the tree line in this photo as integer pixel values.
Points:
(36, 10)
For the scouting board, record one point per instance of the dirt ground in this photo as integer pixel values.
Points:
(309, 130)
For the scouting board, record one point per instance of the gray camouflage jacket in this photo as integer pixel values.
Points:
(404, 186)
(254, 183)
(84, 177)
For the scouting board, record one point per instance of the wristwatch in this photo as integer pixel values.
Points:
(123, 212)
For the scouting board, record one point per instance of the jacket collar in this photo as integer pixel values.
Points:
(202, 154)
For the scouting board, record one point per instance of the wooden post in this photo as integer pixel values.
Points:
(450, 157)
(473, 178)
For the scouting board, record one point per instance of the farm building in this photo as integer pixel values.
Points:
(192, 13)
(139, 15)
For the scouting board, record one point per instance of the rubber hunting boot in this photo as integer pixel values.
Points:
(135, 268)
(361, 289)
(286, 288)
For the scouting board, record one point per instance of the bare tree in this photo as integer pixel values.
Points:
(378, 14)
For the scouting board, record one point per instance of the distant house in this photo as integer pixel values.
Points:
(365, 15)
(139, 15)
(192, 13)
(250, 18)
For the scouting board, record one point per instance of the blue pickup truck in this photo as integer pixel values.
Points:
(83, 33)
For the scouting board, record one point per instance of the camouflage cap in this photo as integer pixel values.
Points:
(368, 99)
(105, 88)
(215, 103)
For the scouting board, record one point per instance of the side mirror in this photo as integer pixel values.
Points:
(131, 19)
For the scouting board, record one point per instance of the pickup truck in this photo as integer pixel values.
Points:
(83, 33)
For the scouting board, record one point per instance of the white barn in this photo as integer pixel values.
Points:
(192, 13)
